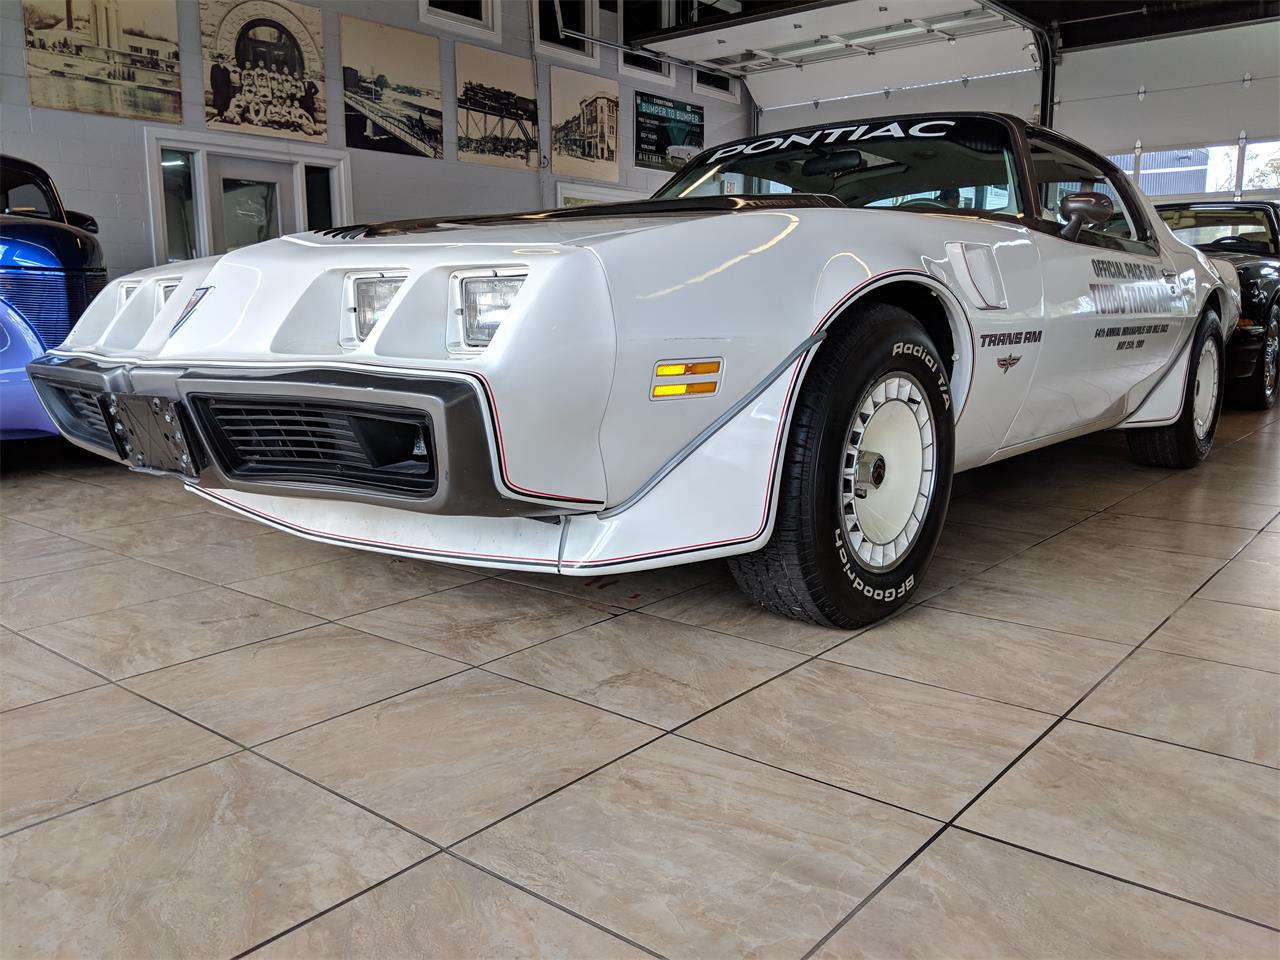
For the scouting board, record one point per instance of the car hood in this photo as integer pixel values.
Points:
(565, 226)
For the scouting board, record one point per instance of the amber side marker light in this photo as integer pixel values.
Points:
(694, 377)
(684, 389)
(693, 368)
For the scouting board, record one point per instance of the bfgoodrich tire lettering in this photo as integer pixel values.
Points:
(1187, 441)
(823, 564)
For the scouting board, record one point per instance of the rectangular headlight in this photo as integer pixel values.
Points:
(371, 296)
(127, 290)
(485, 301)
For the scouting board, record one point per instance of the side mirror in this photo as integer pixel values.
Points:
(83, 221)
(1081, 208)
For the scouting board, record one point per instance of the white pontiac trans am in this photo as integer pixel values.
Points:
(781, 358)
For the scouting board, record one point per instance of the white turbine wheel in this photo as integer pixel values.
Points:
(888, 471)
(1206, 396)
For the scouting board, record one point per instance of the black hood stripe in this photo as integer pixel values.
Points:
(599, 211)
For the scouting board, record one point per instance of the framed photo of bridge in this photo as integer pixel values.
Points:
(263, 68)
(391, 89)
(112, 57)
(497, 108)
(584, 125)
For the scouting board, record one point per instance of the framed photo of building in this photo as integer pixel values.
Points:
(118, 57)
(391, 89)
(669, 132)
(497, 108)
(263, 68)
(584, 125)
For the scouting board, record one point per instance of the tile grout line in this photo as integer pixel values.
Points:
(343, 902)
(1023, 753)
(450, 852)
(1111, 876)
(1172, 743)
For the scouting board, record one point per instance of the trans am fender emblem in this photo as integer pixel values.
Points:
(1007, 363)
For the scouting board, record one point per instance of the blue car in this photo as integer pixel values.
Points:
(50, 270)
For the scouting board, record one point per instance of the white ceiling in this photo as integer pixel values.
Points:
(858, 47)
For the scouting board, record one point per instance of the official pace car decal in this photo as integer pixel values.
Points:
(1144, 294)
(896, 130)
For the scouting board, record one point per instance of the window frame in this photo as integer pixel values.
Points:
(1145, 244)
(200, 144)
(734, 97)
(666, 76)
(490, 30)
(550, 48)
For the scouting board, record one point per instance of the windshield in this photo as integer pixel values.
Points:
(1222, 228)
(23, 194)
(916, 163)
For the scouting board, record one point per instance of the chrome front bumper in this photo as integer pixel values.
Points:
(413, 443)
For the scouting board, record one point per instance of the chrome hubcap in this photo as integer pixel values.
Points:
(1205, 400)
(887, 473)
(1270, 350)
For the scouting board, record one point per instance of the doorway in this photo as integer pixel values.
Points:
(211, 194)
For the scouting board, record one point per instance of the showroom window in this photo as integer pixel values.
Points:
(715, 85)
(1262, 166)
(637, 18)
(580, 16)
(478, 18)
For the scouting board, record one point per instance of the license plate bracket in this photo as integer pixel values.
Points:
(153, 435)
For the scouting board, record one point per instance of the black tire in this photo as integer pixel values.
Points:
(1178, 446)
(808, 570)
(1258, 390)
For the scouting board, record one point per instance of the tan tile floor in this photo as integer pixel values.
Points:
(216, 739)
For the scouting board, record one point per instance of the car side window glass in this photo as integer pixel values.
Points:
(1060, 173)
(23, 195)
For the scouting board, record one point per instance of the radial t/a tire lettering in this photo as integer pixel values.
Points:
(866, 476)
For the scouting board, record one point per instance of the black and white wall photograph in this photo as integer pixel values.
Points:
(497, 108)
(584, 125)
(391, 89)
(118, 57)
(264, 68)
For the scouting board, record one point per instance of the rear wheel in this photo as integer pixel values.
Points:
(866, 477)
(1187, 441)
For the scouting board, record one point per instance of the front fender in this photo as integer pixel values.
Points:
(21, 414)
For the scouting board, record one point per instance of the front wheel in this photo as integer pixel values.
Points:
(1258, 391)
(1187, 441)
(865, 480)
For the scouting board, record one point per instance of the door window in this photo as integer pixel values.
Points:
(1060, 172)
(249, 212)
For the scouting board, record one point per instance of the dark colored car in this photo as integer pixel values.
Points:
(1246, 233)
(50, 270)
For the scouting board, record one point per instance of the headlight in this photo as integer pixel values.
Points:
(127, 290)
(485, 302)
(369, 301)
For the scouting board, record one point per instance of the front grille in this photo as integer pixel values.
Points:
(78, 412)
(51, 300)
(316, 441)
